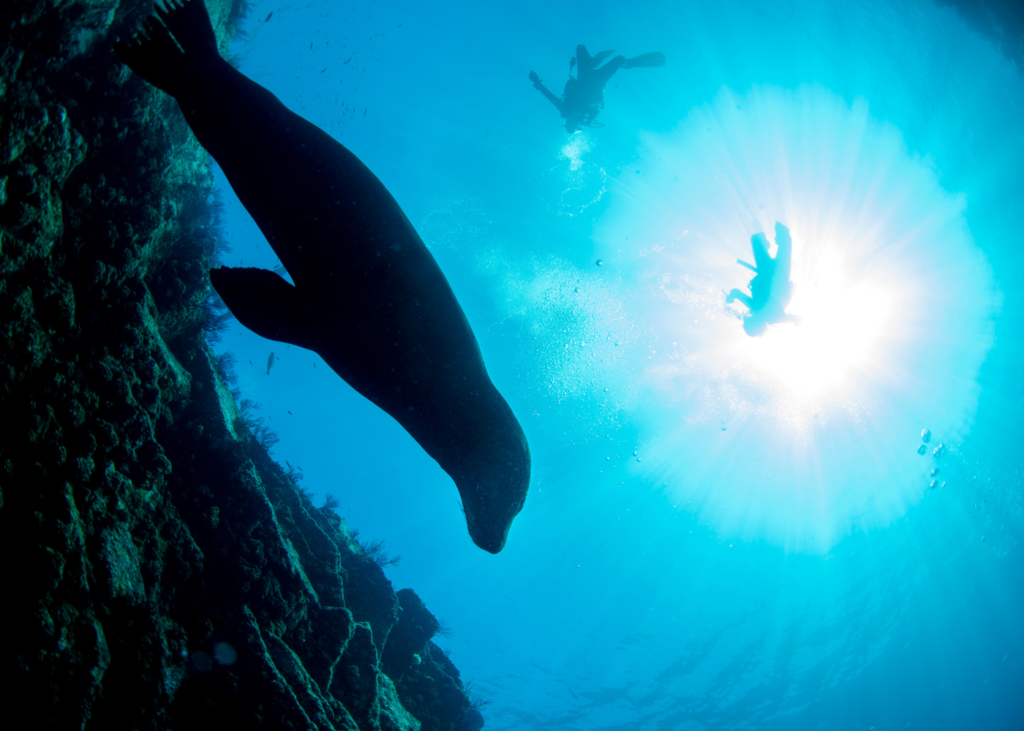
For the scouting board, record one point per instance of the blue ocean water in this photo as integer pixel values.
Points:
(722, 532)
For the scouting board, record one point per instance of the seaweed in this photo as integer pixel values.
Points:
(265, 436)
(224, 364)
(444, 629)
(476, 701)
(331, 504)
(375, 552)
(293, 473)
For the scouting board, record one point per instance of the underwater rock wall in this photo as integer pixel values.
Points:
(159, 569)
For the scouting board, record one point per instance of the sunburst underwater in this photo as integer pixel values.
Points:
(811, 431)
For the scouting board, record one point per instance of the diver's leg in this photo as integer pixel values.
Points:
(646, 60)
(603, 74)
(762, 259)
(584, 65)
(584, 61)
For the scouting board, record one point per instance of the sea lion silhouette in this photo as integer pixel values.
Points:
(368, 296)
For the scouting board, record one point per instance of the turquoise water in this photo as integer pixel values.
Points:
(722, 532)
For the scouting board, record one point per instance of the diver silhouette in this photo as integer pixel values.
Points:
(770, 288)
(583, 97)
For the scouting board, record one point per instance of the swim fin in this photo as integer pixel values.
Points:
(265, 303)
(601, 56)
(647, 60)
(171, 46)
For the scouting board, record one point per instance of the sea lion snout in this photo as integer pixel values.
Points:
(492, 542)
(494, 496)
(489, 520)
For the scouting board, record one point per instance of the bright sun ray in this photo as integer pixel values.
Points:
(809, 432)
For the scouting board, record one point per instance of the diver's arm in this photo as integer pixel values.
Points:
(551, 97)
(546, 92)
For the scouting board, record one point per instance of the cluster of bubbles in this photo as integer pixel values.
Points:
(585, 182)
(938, 451)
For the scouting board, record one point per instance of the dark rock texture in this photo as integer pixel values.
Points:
(160, 570)
(408, 639)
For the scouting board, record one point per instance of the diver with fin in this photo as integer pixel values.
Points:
(770, 288)
(583, 97)
(368, 296)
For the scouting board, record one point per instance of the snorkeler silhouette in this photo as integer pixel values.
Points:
(368, 296)
(770, 290)
(583, 98)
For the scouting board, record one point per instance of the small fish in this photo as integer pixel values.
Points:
(364, 111)
(347, 60)
(268, 16)
(322, 70)
(290, 413)
(270, 363)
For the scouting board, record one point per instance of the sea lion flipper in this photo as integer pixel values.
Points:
(265, 303)
(153, 55)
(171, 62)
(189, 22)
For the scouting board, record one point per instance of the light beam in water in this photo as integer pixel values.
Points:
(810, 431)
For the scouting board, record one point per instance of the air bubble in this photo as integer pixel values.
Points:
(224, 654)
(922, 449)
(939, 450)
(926, 435)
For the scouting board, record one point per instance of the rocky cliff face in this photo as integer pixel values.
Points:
(159, 569)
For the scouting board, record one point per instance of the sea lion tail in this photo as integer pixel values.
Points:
(171, 46)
